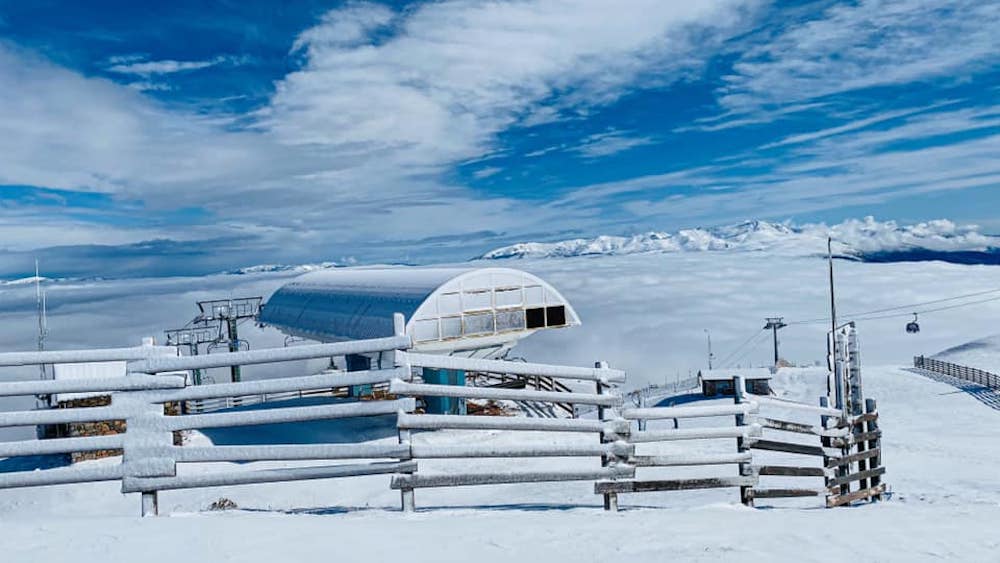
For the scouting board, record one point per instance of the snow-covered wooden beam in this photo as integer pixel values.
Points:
(607, 375)
(398, 387)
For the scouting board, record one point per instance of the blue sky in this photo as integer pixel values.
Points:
(189, 137)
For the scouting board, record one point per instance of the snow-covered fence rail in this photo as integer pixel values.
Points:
(741, 430)
(150, 457)
(966, 373)
(608, 427)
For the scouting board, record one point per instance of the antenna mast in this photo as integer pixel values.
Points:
(43, 328)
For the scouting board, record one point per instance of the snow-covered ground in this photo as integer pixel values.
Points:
(644, 312)
(939, 444)
(983, 354)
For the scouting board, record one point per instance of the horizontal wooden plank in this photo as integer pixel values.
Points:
(399, 387)
(856, 439)
(799, 428)
(476, 450)
(788, 471)
(766, 401)
(689, 460)
(227, 478)
(833, 484)
(853, 458)
(463, 422)
(694, 434)
(785, 447)
(861, 419)
(606, 375)
(603, 487)
(841, 500)
(663, 413)
(417, 481)
(786, 493)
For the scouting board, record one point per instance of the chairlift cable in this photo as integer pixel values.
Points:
(913, 307)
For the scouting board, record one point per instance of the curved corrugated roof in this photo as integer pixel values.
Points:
(351, 304)
(358, 303)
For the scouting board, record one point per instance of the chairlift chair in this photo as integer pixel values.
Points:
(913, 326)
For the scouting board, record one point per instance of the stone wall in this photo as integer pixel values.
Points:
(102, 428)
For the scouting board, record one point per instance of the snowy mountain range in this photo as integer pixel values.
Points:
(865, 239)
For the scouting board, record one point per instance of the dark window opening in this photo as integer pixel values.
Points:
(556, 316)
(535, 318)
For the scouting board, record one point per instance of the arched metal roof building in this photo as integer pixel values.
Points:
(446, 309)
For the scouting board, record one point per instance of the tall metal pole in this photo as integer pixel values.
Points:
(711, 356)
(775, 324)
(837, 369)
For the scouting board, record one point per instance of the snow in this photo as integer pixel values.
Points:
(983, 354)
(852, 238)
(936, 449)
(643, 312)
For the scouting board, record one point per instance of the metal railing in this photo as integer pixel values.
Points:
(973, 375)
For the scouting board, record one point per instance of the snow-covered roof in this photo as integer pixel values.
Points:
(445, 308)
(728, 374)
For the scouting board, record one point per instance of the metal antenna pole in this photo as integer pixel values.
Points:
(711, 356)
(43, 329)
(837, 369)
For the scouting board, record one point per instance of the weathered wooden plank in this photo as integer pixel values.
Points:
(785, 447)
(841, 500)
(604, 487)
(860, 475)
(663, 413)
(864, 418)
(689, 460)
(787, 471)
(799, 428)
(854, 458)
(786, 493)
(694, 434)
(417, 481)
(856, 439)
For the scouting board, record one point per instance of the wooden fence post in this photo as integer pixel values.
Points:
(746, 469)
(610, 499)
(406, 495)
(871, 408)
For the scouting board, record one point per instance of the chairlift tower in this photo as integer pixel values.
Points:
(193, 337)
(775, 324)
(230, 312)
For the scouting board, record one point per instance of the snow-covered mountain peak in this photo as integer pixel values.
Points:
(855, 237)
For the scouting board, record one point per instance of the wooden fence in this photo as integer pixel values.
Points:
(606, 428)
(848, 446)
(978, 376)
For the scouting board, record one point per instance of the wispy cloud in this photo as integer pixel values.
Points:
(142, 67)
(610, 142)
(858, 45)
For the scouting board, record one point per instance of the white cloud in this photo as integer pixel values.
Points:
(141, 67)
(609, 143)
(850, 167)
(864, 44)
(486, 172)
(353, 146)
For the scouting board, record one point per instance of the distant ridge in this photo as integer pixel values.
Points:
(865, 239)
